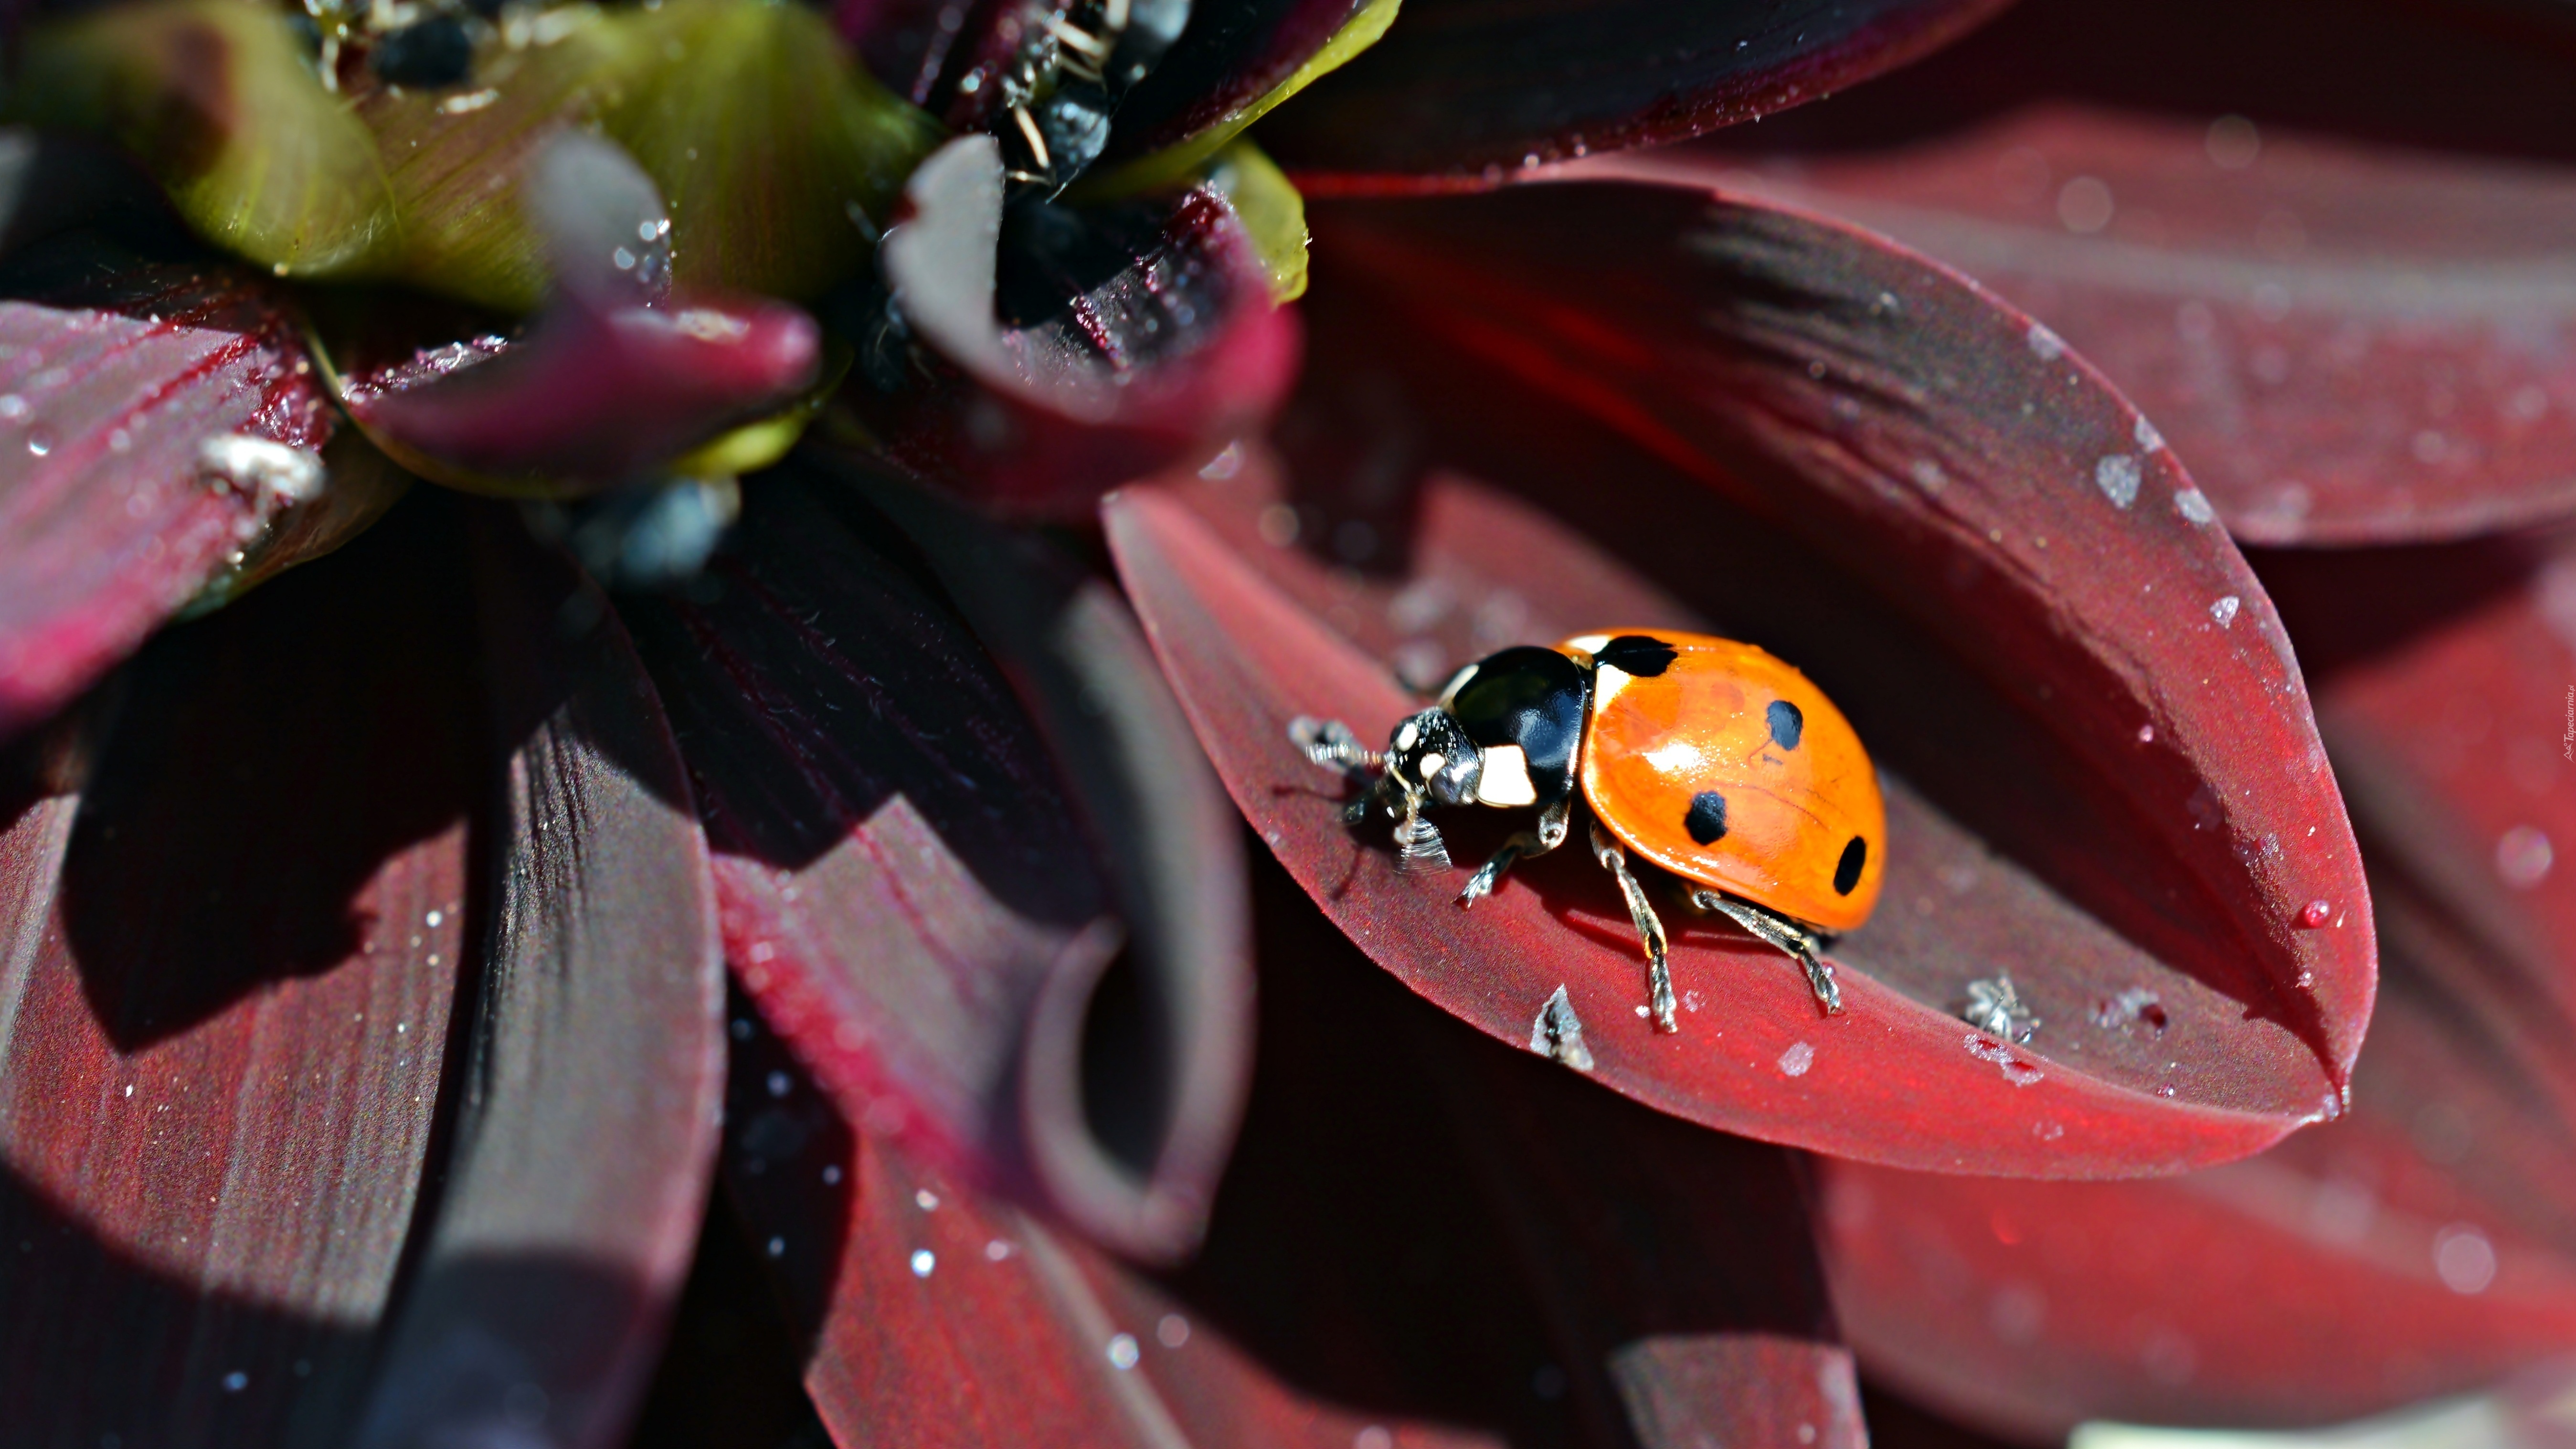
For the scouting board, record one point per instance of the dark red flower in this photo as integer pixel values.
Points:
(748, 805)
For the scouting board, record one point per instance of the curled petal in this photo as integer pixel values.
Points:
(910, 894)
(2351, 346)
(616, 376)
(1825, 445)
(1168, 1096)
(158, 423)
(1146, 335)
(2418, 1247)
(1460, 94)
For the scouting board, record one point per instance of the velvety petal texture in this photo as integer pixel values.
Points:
(2420, 1246)
(226, 1015)
(156, 420)
(2350, 345)
(584, 1128)
(1460, 94)
(1875, 465)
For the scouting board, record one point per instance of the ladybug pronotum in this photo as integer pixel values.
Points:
(1705, 756)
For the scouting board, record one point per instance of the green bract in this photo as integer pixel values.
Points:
(776, 153)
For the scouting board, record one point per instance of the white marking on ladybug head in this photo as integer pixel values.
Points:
(1588, 643)
(1505, 781)
(1432, 762)
(1406, 734)
(1607, 680)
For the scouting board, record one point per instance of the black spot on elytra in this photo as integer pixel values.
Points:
(1847, 869)
(1706, 818)
(1787, 724)
(1642, 655)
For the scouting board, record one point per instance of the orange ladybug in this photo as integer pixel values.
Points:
(1708, 757)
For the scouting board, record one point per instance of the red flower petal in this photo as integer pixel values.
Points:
(2019, 692)
(1459, 92)
(226, 1036)
(1382, 1256)
(111, 517)
(908, 890)
(2418, 1247)
(2350, 346)
(580, 1161)
(1161, 362)
(1166, 1051)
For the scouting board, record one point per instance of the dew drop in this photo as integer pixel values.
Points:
(923, 1261)
(2464, 1258)
(1123, 1352)
(40, 443)
(2316, 913)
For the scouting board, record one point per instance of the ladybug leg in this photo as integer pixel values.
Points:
(1797, 940)
(1418, 846)
(1659, 977)
(1550, 834)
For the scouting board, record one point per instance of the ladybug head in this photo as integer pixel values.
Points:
(1431, 757)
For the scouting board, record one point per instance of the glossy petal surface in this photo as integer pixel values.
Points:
(2350, 345)
(239, 909)
(908, 890)
(1165, 1046)
(2073, 656)
(1439, 1297)
(585, 1125)
(1150, 340)
(111, 518)
(1459, 93)
(2420, 1246)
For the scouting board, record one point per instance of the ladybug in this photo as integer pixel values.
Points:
(1708, 757)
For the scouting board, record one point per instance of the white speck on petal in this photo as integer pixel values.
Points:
(2044, 344)
(2117, 476)
(2193, 504)
(2148, 438)
(1795, 1061)
(2224, 611)
(271, 474)
(1557, 1034)
(923, 1261)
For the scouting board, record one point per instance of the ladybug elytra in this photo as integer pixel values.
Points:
(1707, 757)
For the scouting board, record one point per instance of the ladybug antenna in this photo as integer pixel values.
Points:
(1331, 743)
